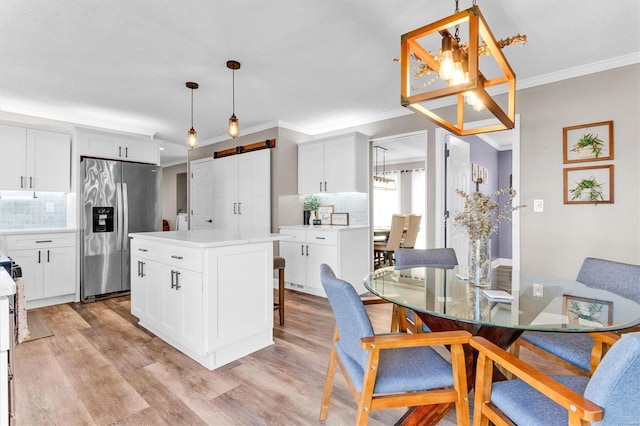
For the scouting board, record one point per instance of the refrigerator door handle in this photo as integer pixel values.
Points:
(119, 216)
(125, 214)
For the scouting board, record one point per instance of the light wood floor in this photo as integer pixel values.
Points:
(101, 368)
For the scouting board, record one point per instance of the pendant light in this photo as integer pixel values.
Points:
(234, 124)
(382, 181)
(192, 136)
(460, 78)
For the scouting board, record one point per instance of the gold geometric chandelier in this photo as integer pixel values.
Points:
(454, 71)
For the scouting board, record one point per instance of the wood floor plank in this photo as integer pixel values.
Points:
(101, 367)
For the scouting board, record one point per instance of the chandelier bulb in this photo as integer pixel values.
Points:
(446, 62)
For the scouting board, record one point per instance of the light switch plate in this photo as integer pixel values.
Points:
(538, 206)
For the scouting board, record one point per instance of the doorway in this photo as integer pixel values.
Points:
(445, 188)
(401, 159)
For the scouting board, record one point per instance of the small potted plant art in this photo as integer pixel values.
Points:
(588, 189)
(589, 145)
(311, 203)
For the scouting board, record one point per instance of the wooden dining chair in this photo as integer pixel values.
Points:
(610, 395)
(383, 251)
(403, 319)
(390, 370)
(576, 352)
(413, 227)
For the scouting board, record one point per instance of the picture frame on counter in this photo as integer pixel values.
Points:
(340, 219)
(324, 213)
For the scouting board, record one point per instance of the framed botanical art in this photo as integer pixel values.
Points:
(587, 311)
(588, 185)
(588, 142)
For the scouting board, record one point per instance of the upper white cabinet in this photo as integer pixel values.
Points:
(118, 147)
(242, 192)
(34, 160)
(335, 164)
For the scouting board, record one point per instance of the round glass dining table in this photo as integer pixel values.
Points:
(514, 302)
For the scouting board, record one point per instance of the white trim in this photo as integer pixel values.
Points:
(580, 70)
(399, 136)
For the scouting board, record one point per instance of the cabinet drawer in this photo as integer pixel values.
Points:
(37, 241)
(145, 249)
(182, 257)
(322, 237)
(299, 235)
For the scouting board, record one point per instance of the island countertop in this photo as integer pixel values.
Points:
(204, 238)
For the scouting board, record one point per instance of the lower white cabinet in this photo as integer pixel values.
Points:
(169, 297)
(211, 300)
(344, 249)
(48, 263)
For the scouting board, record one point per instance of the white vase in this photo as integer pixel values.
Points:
(480, 262)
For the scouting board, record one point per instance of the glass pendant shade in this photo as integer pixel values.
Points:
(234, 126)
(192, 138)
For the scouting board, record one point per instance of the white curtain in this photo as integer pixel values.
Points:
(418, 203)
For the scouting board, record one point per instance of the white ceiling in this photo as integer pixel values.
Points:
(314, 65)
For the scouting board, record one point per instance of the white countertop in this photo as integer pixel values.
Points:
(324, 227)
(36, 231)
(204, 238)
(7, 285)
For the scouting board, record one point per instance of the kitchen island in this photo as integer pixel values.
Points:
(208, 293)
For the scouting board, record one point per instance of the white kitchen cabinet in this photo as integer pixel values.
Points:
(208, 293)
(242, 192)
(344, 249)
(48, 264)
(166, 293)
(34, 160)
(118, 147)
(333, 165)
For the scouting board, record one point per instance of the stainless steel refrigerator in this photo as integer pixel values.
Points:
(117, 198)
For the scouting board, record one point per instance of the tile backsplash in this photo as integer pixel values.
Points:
(356, 204)
(20, 210)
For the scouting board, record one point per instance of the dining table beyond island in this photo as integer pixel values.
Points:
(514, 302)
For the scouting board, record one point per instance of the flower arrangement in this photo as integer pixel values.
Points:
(481, 215)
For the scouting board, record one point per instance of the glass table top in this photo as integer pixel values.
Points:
(515, 299)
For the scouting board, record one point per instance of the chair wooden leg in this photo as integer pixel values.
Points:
(368, 383)
(458, 363)
(328, 381)
(484, 377)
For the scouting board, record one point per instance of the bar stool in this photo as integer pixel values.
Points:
(278, 263)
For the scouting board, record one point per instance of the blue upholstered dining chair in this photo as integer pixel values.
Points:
(610, 395)
(573, 351)
(404, 319)
(390, 370)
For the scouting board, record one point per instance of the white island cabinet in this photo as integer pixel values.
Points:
(208, 293)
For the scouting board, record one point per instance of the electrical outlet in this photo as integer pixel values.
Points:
(538, 206)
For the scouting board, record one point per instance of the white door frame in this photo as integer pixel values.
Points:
(440, 140)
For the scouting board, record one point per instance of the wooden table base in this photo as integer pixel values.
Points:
(503, 337)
